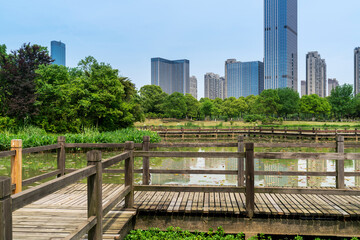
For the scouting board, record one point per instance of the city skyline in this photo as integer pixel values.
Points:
(58, 52)
(128, 40)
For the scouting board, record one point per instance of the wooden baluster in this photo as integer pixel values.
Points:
(250, 180)
(129, 174)
(94, 194)
(241, 179)
(61, 156)
(16, 165)
(340, 176)
(5, 209)
(146, 162)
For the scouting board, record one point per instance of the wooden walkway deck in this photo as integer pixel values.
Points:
(57, 215)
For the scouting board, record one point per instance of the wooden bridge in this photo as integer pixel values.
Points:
(63, 208)
(231, 133)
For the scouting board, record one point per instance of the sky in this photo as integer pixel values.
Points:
(128, 33)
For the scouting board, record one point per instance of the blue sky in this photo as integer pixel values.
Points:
(127, 33)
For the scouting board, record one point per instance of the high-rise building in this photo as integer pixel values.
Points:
(214, 86)
(280, 40)
(171, 76)
(332, 84)
(357, 70)
(229, 61)
(58, 52)
(315, 74)
(244, 78)
(303, 88)
(193, 86)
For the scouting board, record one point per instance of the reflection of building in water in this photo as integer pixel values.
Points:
(280, 165)
(175, 163)
(357, 169)
(316, 166)
(231, 164)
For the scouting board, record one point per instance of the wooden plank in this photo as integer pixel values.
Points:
(184, 202)
(294, 173)
(186, 145)
(306, 191)
(223, 203)
(234, 203)
(30, 195)
(295, 145)
(303, 155)
(114, 201)
(194, 206)
(7, 154)
(192, 171)
(200, 206)
(95, 145)
(173, 201)
(114, 160)
(40, 177)
(40, 149)
(177, 205)
(280, 204)
(189, 188)
(211, 202)
(217, 204)
(334, 206)
(82, 229)
(189, 202)
(240, 203)
(190, 154)
(295, 205)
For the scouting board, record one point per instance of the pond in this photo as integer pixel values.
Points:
(36, 164)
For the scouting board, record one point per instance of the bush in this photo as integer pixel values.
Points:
(253, 118)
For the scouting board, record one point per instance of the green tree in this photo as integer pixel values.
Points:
(17, 76)
(342, 101)
(290, 101)
(254, 106)
(175, 105)
(192, 106)
(152, 98)
(270, 101)
(217, 107)
(206, 107)
(314, 105)
(233, 107)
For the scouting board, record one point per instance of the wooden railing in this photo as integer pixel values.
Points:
(245, 156)
(93, 173)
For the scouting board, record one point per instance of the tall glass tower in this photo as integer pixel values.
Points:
(357, 70)
(171, 76)
(280, 56)
(58, 52)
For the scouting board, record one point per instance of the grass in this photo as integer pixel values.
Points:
(174, 123)
(33, 137)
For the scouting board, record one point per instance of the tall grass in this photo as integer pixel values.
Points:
(33, 137)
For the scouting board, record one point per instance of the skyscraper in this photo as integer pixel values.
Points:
(332, 84)
(58, 52)
(171, 76)
(229, 61)
(193, 86)
(357, 70)
(315, 74)
(303, 88)
(244, 78)
(214, 86)
(280, 44)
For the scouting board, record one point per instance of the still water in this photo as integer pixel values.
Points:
(36, 164)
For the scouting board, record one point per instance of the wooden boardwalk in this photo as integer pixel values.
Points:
(57, 215)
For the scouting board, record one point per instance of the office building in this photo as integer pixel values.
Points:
(332, 84)
(244, 78)
(193, 86)
(357, 70)
(214, 86)
(58, 52)
(315, 74)
(171, 76)
(280, 44)
(303, 88)
(229, 61)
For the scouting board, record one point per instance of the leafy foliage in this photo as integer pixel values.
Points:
(342, 100)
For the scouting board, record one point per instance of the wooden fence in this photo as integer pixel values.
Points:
(207, 134)
(245, 155)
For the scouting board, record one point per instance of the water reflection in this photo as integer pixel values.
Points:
(260, 165)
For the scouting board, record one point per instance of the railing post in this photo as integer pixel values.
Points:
(250, 181)
(16, 165)
(5, 209)
(340, 176)
(129, 174)
(94, 194)
(356, 136)
(146, 162)
(61, 156)
(241, 179)
(182, 133)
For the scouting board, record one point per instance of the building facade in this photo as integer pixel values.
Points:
(303, 88)
(357, 70)
(332, 84)
(214, 86)
(244, 78)
(58, 52)
(280, 44)
(193, 86)
(171, 76)
(315, 74)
